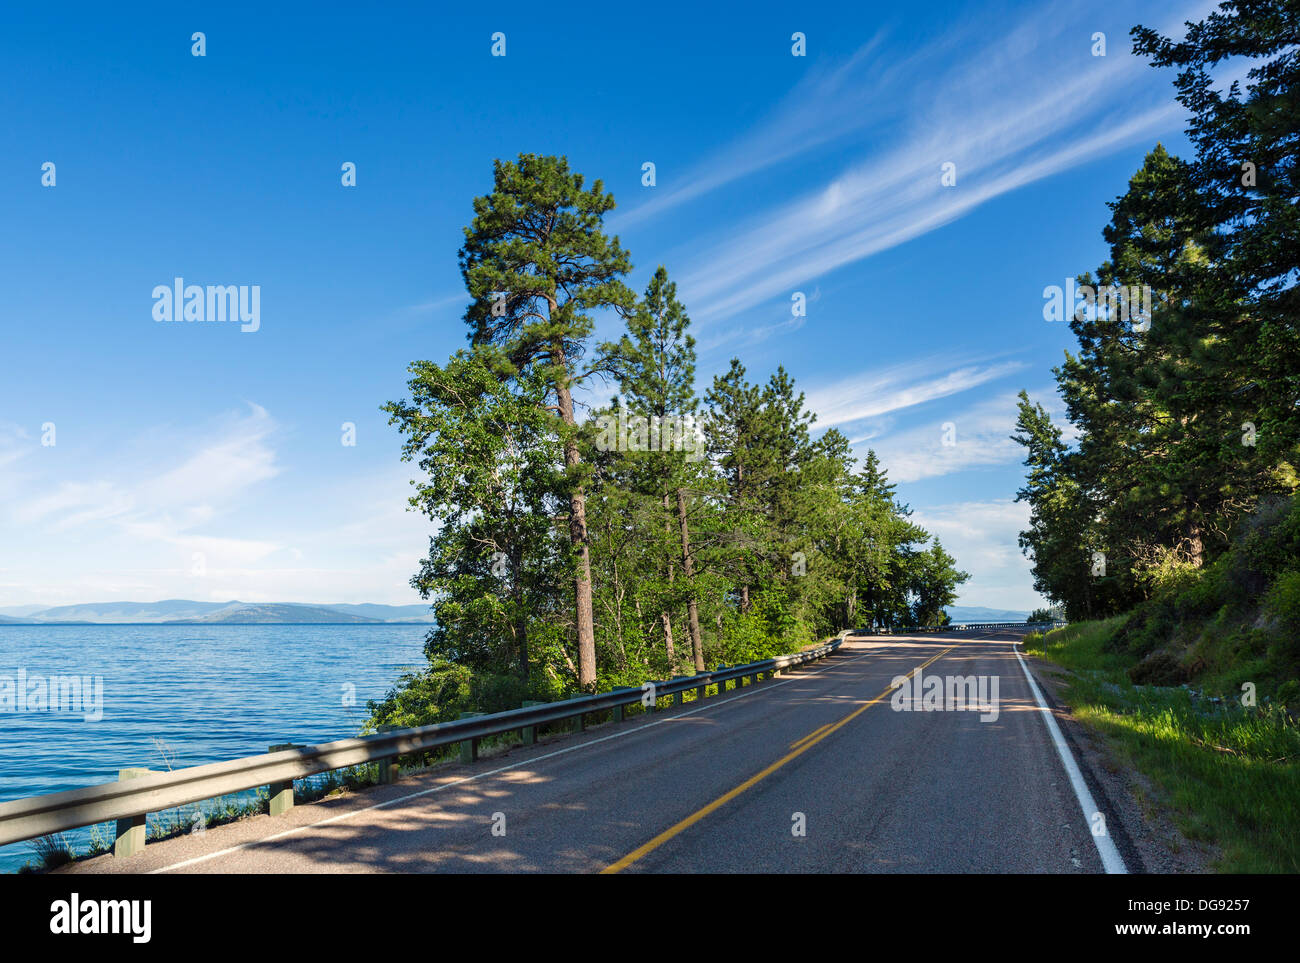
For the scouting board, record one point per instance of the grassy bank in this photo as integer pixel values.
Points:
(1230, 773)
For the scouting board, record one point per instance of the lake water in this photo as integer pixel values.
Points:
(206, 693)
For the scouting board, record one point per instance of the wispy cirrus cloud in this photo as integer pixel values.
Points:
(204, 511)
(832, 103)
(890, 201)
(1007, 109)
(164, 504)
(956, 439)
(872, 394)
(74, 503)
(240, 457)
(14, 446)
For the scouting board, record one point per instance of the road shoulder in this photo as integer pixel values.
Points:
(1135, 801)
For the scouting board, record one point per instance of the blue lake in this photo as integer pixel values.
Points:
(205, 693)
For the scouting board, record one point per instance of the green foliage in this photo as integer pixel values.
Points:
(576, 553)
(536, 263)
(1283, 600)
(444, 690)
(1086, 646)
(491, 476)
(1062, 532)
(52, 851)
(1187, 428)
(1228, 623)
(1231, 773)
(1246, 175)
(934, 585)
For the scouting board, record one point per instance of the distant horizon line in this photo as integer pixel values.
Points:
(58, 605)
(18, 622)
(37, 614)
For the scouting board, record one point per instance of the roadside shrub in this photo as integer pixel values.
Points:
(1283, 600)
(52, 851)
(1149, 628)
(1288, 695)
(491, 692)
(438, 694)
(1159, 668)
(744, 639)
(1167, 574)
(1272, 540)
(1201, 594)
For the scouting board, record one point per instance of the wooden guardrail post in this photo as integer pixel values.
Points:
(722, 683)
(131, 832)
(468, 747)
(389, 770)
(529, 733)
(281, 792)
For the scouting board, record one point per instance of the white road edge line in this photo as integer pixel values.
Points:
(493, 772)
(1111, 860)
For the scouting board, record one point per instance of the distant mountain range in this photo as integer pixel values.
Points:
(977, 613)
(184, 612)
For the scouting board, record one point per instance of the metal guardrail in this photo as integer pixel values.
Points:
(961, 627)
(129, 800)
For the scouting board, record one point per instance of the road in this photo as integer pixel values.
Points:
(813, 772)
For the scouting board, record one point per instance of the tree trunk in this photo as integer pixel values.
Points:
(619, 593)
(664, 617)
(578, 537)
(1196, 545)
(740, 500)
(521, 619)
(688, 570)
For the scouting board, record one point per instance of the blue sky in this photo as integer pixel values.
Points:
(201, 461)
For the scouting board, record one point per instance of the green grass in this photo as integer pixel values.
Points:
(1080, 646)
(1229, 773)
(51, 852)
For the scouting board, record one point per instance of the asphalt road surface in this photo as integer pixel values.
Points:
(817, 771)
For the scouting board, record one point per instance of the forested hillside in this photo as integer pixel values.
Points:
(1172, 494)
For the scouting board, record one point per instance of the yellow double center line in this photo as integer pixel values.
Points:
(803, 745)
(799, 742)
